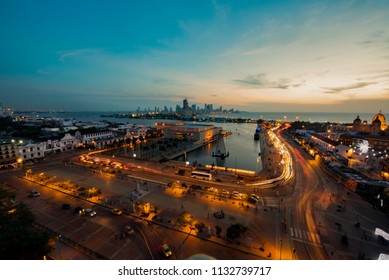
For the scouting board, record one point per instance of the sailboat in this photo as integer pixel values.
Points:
(220, 148)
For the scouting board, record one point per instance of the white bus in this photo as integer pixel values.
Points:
(201, 175)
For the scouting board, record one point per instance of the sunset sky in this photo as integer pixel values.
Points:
(249, 55)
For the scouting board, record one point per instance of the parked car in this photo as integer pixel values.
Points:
(116, 212)
(89, 212)
(236, 195)
(211, 189)
(255, 196)
(34, 193)
(225, 192)
(79, 210)
(66, 206)
(166, 250)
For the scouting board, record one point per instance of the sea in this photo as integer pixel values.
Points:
(244, 151)
(286, 116)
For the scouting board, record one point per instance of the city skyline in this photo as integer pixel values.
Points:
(251, 55)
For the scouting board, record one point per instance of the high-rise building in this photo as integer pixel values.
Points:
(185, 104)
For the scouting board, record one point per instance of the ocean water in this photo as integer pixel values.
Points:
(286, 116)
(305, 116)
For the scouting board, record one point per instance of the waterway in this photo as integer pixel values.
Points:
(243, 149)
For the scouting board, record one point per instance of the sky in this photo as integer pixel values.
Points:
(259, 55)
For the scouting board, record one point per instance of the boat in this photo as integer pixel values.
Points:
(220, 148)
(257, 131)
(220, 154)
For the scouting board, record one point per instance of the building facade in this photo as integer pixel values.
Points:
(192, 133)
(31, 152)
(378, 124)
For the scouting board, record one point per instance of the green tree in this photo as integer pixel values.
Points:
(235, 231)
(19, 240)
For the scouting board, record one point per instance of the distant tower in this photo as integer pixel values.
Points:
(186, 111)
(185, 104)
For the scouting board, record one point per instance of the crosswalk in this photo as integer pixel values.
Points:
(305, 236)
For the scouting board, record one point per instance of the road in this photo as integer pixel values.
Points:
(102, 233)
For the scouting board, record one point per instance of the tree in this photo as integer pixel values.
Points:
(185, 218)
(19, 240)
(218, 231)
(235, 231)
(200, 226)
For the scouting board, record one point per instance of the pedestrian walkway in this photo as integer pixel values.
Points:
(305, 236)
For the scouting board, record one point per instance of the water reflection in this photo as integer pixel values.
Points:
(241, 145)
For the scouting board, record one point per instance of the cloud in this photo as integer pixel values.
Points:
(260, 81)
(336, 90)
(63, 55)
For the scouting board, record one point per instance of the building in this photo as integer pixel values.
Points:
(375, 142)
(68, 142)
(324, 142)
(16, 152)
(380, 118)
(91, 138)
(378, 124)
(133, 130)
(5, 112)
(186, 110)
(192, 133)
(31, 151)
(8, 153)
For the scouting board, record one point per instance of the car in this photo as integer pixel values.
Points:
(254, 196)
(128, 229)
(218, 180)
(211, 189)
(34, 193)
(237, 195)
(116, 212)
(89, 212)
(225, 192)
(79, 210)
(65, 206)
(166, 250)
